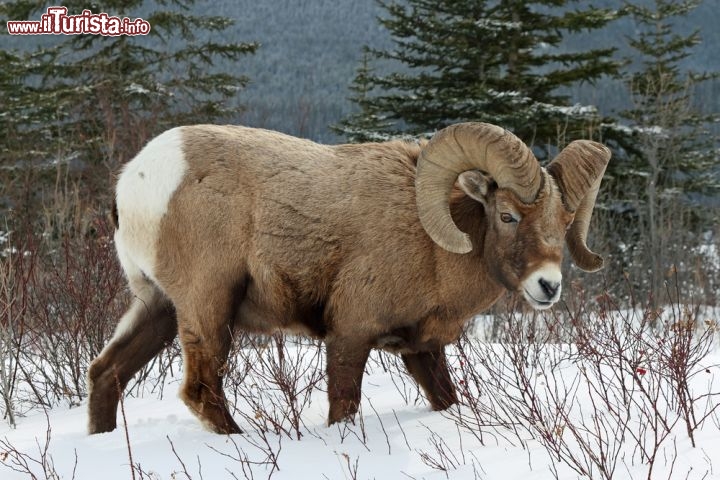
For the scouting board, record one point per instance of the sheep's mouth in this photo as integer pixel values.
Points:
(539, 304)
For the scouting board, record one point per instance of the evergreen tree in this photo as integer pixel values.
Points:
(366, 125)
(673, 168)
(14, 93)
(26, 114)
(675, 150)
(95, 100)
(476, 60)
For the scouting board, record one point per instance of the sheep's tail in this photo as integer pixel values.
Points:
(114, 218)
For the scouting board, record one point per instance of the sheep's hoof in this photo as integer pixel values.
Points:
(342, 411)
(348, 419)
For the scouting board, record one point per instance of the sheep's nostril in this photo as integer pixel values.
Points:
(549, 288)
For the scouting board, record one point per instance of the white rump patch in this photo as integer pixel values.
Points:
(144, 189)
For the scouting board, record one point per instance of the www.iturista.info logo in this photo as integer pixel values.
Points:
(57, 22)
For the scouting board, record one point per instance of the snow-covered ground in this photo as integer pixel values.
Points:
(397, 436)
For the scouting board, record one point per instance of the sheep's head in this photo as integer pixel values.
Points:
(529, 209)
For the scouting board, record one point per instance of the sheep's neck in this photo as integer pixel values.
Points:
(480, 291)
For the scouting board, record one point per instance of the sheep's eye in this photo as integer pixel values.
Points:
(507, 218)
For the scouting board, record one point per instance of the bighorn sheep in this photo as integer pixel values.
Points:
(382, 245)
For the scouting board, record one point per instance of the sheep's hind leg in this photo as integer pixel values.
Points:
(206, 337)
(346, 358)
(148, 326)
(430, 371)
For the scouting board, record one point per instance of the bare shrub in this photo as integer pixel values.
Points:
(271, 381)
(36, 466)
(59, 302)
(267, 448)
(78, 297)
(662, 351)
(441, 457)
(16, 276)
(153, 377)
(352, 467)
(392, 365)
(634, 370)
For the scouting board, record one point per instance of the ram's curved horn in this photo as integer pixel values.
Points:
(462, 147)
(578, 171)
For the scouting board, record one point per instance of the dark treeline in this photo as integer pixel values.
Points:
(310, 50)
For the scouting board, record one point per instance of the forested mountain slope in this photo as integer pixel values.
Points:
(310, 50)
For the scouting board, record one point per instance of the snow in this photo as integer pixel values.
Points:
(137, 89)
(395, 436)
(576, 110)
(710, 253)
(498, 25)
(653, 130)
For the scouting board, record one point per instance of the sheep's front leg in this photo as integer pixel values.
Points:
(430, 371)
(346, 358)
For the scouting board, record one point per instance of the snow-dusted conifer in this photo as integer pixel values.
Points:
(502, 62)
(99, 98)
(665, 188)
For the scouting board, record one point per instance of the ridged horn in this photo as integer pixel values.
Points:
(459, 148)
(578, 170)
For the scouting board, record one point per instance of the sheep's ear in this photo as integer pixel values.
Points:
(475, 184)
